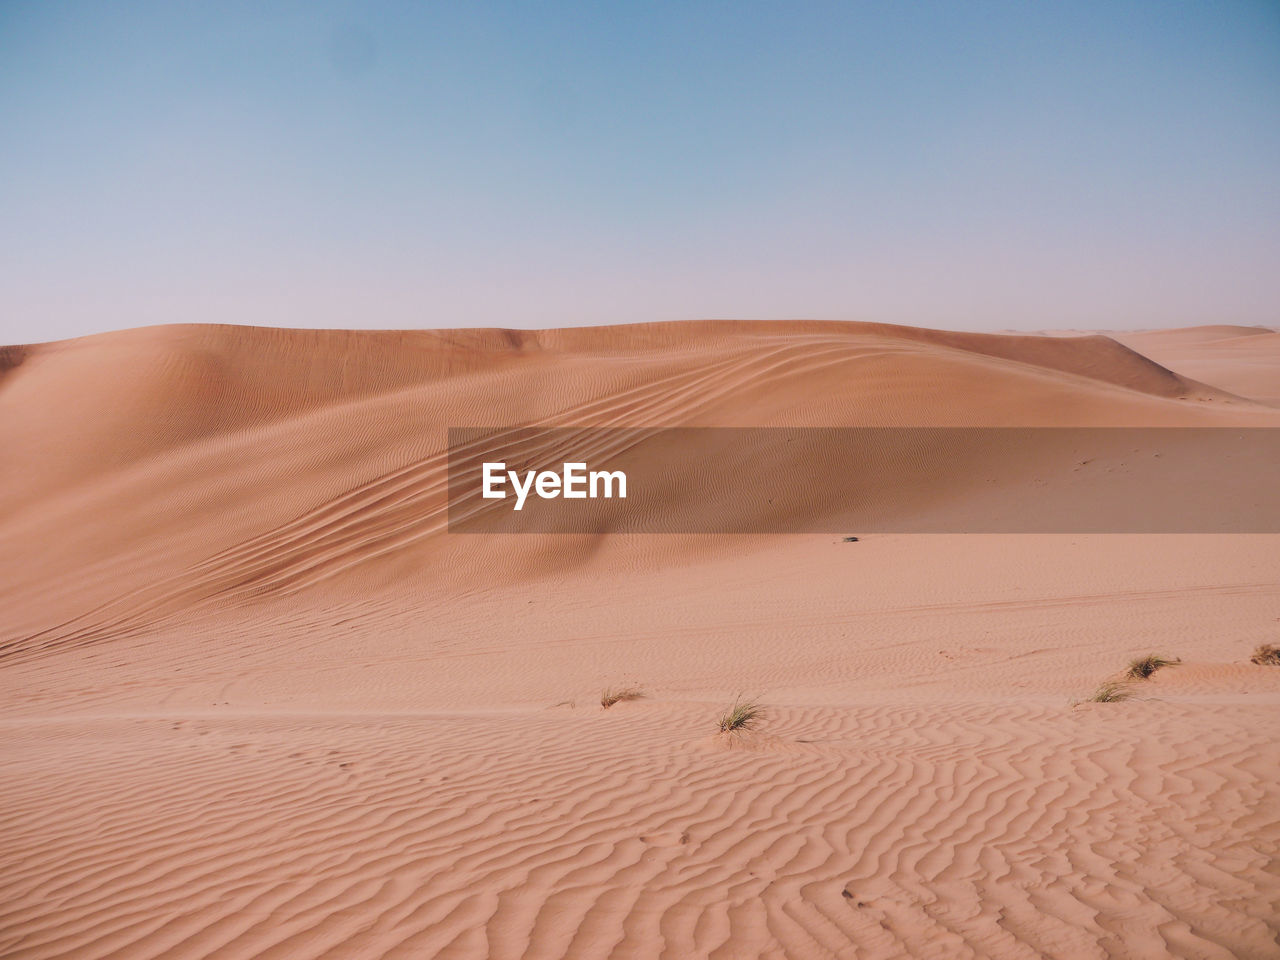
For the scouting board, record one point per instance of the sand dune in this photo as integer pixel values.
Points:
(258, 702)
(1238, 359)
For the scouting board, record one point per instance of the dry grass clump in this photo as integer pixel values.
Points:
(1143, 667)
(1266, 654)
(1113, 691)
(742, 715)
(612, 695)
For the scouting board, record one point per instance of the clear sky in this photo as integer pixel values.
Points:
(957, 164)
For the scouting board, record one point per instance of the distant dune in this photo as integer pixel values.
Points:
(258, 702)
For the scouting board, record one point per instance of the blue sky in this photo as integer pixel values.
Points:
(970, 165)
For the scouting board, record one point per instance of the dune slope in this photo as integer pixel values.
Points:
(1238, 359)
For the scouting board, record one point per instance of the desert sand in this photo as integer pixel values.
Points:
(257, 701)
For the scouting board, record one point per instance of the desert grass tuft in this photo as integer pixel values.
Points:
(1267, 654)
(614, 695)
(1143, 667)
(1112, 691)
(742, 715)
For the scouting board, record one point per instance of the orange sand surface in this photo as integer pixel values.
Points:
(256, 701)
